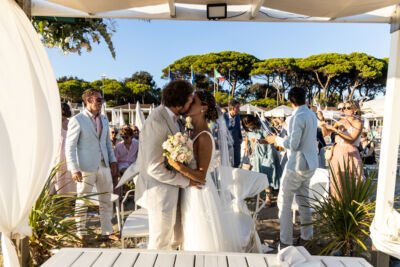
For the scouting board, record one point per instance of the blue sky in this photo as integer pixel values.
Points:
(151, 46)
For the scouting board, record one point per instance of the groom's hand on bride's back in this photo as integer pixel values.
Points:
(196, 185)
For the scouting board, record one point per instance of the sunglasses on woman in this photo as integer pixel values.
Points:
(125, 137)
(345, 108)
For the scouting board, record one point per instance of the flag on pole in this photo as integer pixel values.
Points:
(192, 77)
(170, 75)
(218, 76)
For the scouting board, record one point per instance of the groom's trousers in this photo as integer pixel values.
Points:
(294, 183)
(165, 228)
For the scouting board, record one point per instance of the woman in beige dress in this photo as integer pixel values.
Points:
(345, 150)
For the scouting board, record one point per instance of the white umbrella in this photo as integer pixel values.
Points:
(121, 118)
(114, 117)
(70, 107)
(139, 117)
(132, 117)
(103, 109)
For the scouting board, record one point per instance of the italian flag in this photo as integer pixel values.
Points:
(218, 76)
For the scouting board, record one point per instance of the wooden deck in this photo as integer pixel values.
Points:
(147, 258)
(82, 257)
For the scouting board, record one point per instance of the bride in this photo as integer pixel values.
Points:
(207, 225)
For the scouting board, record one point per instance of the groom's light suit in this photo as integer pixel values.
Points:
(157, 188)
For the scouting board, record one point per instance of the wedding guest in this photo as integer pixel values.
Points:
(347, 140)
(127, 150)
(301, 165)
(367, 148)
(64, 183)
(232, 119)
(136, 132)
(91, 159)
(264, 157)
(113, 136)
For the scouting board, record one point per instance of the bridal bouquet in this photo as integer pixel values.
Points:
(178, 147)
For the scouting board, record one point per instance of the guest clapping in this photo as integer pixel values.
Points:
(345, 151)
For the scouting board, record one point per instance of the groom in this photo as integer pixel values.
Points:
(157, 188)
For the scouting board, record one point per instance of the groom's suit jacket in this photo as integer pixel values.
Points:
(157, 188)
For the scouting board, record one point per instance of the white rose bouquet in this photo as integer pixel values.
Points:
(178, 147)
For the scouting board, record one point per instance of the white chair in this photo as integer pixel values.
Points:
(319, 186)
(246, 184)
(136, 225)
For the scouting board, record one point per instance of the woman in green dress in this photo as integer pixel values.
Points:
(263, 157)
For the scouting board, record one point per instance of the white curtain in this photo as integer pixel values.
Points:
(30, 123)
(121, 118)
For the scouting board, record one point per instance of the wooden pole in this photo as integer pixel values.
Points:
(26, 7)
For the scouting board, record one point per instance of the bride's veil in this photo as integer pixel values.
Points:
(225, 184)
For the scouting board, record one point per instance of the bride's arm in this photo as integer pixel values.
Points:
(203, 158)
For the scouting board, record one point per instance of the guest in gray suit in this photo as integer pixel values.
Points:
(301, 165)
(90, 155)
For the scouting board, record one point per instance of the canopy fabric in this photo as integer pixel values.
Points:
(374, 11)
(374, 108)
(29, 137)
(249, 109)
(281, 111)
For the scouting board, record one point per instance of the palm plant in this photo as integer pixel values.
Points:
(343, 220)
(52, 221)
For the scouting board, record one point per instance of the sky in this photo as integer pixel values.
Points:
(152, 46)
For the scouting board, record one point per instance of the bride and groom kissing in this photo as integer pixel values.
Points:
(183, 204)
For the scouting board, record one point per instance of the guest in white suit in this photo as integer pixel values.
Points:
(157, 187)
(90, 156)
(301, 165)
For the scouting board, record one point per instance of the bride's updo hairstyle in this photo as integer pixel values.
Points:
(207, 99)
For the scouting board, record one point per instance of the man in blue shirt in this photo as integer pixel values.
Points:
(232, 119)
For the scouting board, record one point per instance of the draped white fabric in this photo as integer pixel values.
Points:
(30, 123)
(377, 11)
(121, 118)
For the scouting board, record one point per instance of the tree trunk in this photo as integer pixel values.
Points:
(353, 89)
(233, 88)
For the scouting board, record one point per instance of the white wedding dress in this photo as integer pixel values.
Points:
(207, 225)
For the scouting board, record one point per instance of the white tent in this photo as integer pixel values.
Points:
(279, 112)
(349, 11)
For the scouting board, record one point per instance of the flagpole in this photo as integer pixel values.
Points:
(214, 82)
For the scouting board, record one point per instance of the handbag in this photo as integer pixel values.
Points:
(246, 164)
(329, 152)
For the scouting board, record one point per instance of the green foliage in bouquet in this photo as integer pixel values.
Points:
(71, 35)
(52, 221)
(343, 221)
